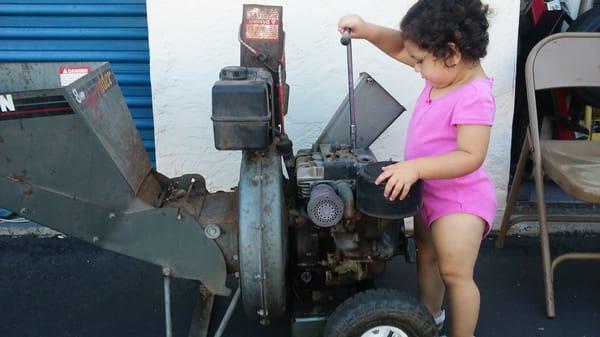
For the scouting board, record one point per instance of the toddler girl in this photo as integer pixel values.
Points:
(446, 144)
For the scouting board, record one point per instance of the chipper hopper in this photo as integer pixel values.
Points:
(304, 234)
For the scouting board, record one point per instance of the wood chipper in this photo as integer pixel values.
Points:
(304, 234)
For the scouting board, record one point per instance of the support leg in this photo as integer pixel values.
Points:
(514, 192)
(167, 290)
(228, 312)
(545, 241)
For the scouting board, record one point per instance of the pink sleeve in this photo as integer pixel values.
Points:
(476, 106)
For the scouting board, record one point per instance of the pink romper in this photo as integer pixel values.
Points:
(432, 131)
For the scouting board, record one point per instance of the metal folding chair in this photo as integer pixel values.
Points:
(558, 61)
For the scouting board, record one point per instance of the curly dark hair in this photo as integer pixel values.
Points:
(433, 24)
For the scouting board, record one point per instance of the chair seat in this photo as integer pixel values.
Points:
(574, 166)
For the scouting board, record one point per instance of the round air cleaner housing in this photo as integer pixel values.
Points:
(371, 201)
(325, 207)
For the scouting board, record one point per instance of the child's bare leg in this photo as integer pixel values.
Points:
(431, 287)
(457, 239)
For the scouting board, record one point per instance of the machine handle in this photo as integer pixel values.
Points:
(345, 40)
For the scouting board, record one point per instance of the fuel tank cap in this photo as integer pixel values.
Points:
(233, 73)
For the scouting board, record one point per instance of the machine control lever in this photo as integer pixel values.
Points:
(347, 41)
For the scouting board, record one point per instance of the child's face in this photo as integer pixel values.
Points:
(431, 68)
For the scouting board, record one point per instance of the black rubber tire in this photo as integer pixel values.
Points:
(589, 21)
(377, 307)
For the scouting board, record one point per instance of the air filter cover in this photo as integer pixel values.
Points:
(371, 201)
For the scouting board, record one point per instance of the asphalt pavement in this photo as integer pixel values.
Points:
(63, 287)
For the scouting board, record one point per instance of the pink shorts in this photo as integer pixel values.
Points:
(434, 208)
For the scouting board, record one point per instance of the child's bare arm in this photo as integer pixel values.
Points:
(390, 42)
(386, 39)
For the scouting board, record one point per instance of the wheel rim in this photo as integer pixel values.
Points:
(384, 331)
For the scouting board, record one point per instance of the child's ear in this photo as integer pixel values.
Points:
(456, 55)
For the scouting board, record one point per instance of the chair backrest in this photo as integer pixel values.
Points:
(560, 61)
(565, 60)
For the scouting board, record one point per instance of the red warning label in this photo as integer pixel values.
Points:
(69, 75)
(262, 23)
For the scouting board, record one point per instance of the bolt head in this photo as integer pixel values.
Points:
(306, 277)
(212, 231)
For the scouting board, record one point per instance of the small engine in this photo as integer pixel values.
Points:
(340, 239)
(332, 229)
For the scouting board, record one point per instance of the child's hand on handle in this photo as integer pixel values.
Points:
(400, 177)
(358, 26)
(388, 40)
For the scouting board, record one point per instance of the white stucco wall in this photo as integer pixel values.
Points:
(190, 41)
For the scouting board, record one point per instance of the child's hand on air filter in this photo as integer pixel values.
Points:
(400, 177)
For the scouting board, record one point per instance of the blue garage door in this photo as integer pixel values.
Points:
(86, 30)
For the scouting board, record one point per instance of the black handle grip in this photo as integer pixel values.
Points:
(345, 40)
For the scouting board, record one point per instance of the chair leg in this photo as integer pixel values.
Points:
(545, 241)
(513, 193)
